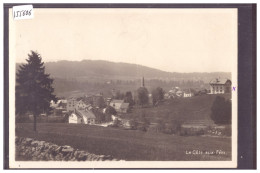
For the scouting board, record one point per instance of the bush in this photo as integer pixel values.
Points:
(134, 124)
(157, 95)
(221, 111)
(176, 126)
(160, 127)
(116, 123)
(142, 127)
(172, 127)
(227, 131)
(192, 131)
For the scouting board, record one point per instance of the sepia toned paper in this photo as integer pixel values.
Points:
(173, 40)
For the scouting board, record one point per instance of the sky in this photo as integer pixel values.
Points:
(173, 40)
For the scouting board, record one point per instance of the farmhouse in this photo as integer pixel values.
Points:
(120, 106)
(116, 104)
(82, 117)
(81, 104)
(75, 118)
(59, 103)
(188, 93)
(220, 86)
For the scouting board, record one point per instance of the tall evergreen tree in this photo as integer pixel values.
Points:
(34, 89)
(157, 95)
(142, 96)
(129, 98)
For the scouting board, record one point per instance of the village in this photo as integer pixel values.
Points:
(100, 127)
(113, 111)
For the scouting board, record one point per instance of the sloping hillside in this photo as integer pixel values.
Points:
(184, 109)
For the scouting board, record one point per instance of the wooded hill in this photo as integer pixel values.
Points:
(94, 75)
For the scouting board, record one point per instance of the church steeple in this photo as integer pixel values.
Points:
(142, 84)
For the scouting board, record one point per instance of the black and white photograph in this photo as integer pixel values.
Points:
(123, 88)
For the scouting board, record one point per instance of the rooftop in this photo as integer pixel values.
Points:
(85, 113)
(117, 101)
(219, 81)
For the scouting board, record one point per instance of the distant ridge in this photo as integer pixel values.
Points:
(111, 70)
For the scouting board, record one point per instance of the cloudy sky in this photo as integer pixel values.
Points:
(174, 40)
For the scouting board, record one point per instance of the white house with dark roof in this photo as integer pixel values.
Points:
(116, 104)
(188, 93)
(75, 118)
(120, 106)
(83, 116)
(220, 86)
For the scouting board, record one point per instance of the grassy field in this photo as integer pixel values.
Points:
(183, 109)
(128, 144)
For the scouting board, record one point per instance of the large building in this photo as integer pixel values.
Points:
(71, 104)
(220, 86)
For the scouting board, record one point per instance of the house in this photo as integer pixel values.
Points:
(188, 93)
(179, 93)
(116, 104)
(71, 104)
(53, 104)
(108, 100)
(173, 93)
(59, 108)
(120, 106)
(82, 117)
(124, 108)
(87, 115)
(60, 103)
(220, 86)
(81, 104)
(75, 118)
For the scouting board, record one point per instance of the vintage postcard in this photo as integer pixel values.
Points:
(123, 87)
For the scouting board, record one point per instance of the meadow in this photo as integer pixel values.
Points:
(128, 145)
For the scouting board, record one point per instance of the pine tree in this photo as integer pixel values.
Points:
(129, 98)
(157, 95)
(142, 96)
(34, 89)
